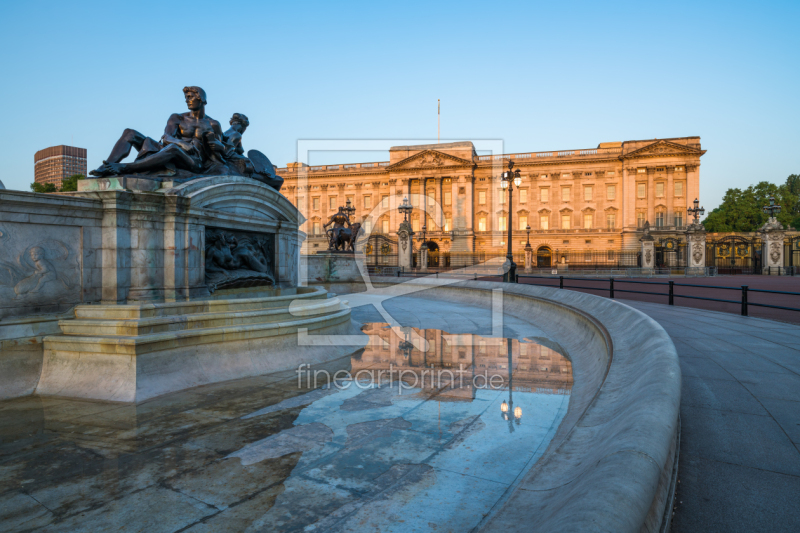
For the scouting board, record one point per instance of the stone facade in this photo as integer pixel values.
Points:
(592, 199)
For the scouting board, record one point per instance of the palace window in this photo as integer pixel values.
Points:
(678, 188)
(641, 190)
(679, 219)
(660, 189)
(544, 222)
(448, 198)
(431, 198)
(368, 226)
(482, 224)
(502, 223)
(317, 229)
(385, 226)
(367, 201)
(315, 203)
(641, 170)
(587, 221)
(587, 194)
(640, 219)
(415, 200)
(352, 201)
(565, 194)
(660, 219)
(611, 192)
(566, 221)
(415, 225)
(611, 220)
(448, 224)
(385, 201)
(523, 196)
(482, 197)
(332, 202)
(544, 195)
(523, 222)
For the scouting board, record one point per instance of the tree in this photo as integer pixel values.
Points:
(742, 210)
(71, 183)
(46, 187)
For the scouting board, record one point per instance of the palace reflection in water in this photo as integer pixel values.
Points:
(457, 364)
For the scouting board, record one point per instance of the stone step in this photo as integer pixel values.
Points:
(82, 346)
(173, 323)
(150, 310)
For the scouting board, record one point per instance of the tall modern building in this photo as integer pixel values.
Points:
(54, 164)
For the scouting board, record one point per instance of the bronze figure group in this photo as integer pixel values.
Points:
(342, 236)
(193, 145)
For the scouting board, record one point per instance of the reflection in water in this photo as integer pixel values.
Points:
(259, 454)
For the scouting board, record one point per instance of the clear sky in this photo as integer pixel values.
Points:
(537, 75)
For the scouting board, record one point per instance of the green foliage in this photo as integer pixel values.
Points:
(46, 187)
(741, 210)
(71, 183)
(68, 185)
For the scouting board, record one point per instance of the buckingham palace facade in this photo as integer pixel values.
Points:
(573, 200)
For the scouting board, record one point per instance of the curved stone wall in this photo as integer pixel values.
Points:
(612, 464)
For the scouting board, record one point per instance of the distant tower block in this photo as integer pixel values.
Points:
(55, 164)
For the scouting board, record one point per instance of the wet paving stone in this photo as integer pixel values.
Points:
(405, 439)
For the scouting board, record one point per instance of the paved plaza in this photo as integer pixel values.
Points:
(740, 420)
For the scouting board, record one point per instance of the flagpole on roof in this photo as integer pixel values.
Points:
(438, 120)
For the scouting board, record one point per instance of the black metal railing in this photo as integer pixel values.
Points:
(670, 294)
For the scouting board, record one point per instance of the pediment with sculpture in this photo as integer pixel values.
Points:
(663, 147)
(432, 159)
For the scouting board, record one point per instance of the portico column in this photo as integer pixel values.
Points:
(393, 203)
(670, 193)
(437, 191)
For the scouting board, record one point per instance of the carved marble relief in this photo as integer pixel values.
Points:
(239, 259)
(39, 266)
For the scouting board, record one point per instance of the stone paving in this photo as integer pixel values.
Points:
(740, 417)
(264, 454)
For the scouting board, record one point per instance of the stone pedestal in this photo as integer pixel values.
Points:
(423, 258)
(405, 247)
(528, 259)
(648, 249)
(696, 249)
(772, 234)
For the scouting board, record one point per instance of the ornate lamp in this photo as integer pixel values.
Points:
(508, 177)
(528, 242)
(772, 209)
(696, 211)
(405, 208)
(350, 210)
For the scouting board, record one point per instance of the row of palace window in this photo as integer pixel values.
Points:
(544, 196)
(662, 219)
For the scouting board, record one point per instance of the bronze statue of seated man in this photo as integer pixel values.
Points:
(191, 142)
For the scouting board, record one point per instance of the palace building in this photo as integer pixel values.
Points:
(595, 199)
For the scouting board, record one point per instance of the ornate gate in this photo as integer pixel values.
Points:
(544, 257)
(670, 253)
(734, 255)
(380, 251)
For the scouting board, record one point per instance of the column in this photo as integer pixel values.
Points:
(393, 204)
(670, 193)
(437, 191)
(116, 246)
(651, 195)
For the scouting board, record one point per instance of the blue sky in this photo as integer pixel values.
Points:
(538, 75)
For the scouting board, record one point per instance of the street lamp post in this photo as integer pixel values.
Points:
(508, 177)
(423, 249)
(405, 208)
(697, 211)
(772, 209)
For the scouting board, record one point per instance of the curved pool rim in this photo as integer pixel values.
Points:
(612, 465)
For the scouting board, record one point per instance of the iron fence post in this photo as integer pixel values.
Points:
(611, 281)
(560, 282)
(744, 300)
(671, 292)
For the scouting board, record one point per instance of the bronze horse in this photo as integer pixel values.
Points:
(346, 238)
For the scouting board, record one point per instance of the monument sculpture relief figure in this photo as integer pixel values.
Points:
(34, 273)
(193, 145)
(238, 260)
